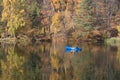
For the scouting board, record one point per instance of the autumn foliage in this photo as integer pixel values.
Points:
(65, 17)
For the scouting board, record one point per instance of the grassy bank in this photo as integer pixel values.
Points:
(114, 41)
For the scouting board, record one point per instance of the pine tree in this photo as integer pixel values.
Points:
(33, 12)
(84, 15)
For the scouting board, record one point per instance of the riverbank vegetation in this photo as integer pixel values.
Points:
(46, 20)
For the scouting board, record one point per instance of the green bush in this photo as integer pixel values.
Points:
(113, 41)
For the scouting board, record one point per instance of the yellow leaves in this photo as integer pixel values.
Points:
(55, 0)
(15, 22)
(13, 13)
(22, 11)
(5, 2)
(56, 19)
(56, 3)
(118, 28)
(4, 16)
(41, 31)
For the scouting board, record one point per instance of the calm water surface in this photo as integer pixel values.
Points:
(48, 61)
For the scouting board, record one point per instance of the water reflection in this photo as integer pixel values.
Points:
(48, 61)
(12, 66)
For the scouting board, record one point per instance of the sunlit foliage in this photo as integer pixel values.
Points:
(14, 14)
(118, 28)
(70, 17)
(56, 24)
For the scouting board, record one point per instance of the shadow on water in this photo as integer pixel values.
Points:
(49, 61)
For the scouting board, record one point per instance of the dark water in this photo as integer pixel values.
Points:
(48, 61)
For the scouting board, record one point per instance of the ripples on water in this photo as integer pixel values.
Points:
(48, 61)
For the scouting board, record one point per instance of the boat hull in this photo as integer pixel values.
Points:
(72, 49)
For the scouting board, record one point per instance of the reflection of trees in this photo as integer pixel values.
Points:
(118, 54)
(105, 63)
(117, 65)
(56, 56)
(44, 52)
(12, 67)
(29, 69)
(34, 58)
(61, 63)
(45, 62)
(83, 67)
(57, 62)
(97, 62)
(105, 60)
(37, 62)
(32, 67)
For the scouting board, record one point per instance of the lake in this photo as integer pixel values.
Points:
(49, 61)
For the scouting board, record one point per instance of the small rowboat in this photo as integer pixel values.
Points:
(72, 49)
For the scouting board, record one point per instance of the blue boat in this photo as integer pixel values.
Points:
(72, 49)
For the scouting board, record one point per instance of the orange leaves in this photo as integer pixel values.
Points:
(56, 3)
(55, 25)
(78, 1)
(56, 19)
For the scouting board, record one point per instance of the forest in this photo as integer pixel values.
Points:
(79, 20)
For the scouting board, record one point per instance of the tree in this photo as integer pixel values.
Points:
(83, 19)
(84, 14)
(105, 12)
(33, 12)
(14, 14)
